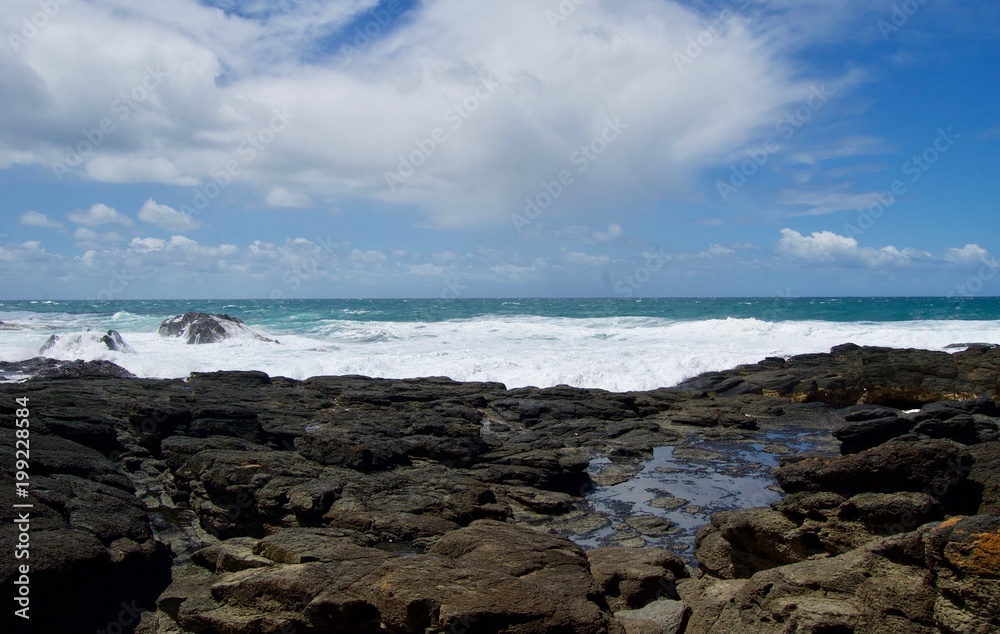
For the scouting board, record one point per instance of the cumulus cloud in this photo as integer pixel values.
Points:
(826, 247)
(36, 219)
(167, 217)
(473, 109)
(99, 214)
(970, 253)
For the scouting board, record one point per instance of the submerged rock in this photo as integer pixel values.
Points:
(199, 328)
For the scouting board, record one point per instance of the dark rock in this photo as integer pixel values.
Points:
(860, 413)
(931, 465)
(49, 344)
(983, 483)
(944, 410)
(851, 375)
(855, 437)
(198, 328)
(113, 340)
(961, 428)
(43, 368)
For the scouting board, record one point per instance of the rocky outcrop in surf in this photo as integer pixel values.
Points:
(76, 341)
(201, 328)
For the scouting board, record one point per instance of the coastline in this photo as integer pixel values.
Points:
(234, 498)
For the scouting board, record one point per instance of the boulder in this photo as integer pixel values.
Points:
(934, 466)
(632, 577)
(200, 328)
(113, 340)
(492, 577)
(664, 616)
(865, 434)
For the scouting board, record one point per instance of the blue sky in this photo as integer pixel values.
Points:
(449, 148)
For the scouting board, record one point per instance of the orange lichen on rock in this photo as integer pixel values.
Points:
(985, 557)
(980, 557)
(948, 523)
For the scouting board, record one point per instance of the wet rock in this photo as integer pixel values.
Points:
(651, 526)
(43, 368)
(861, 413)
(984, 479)
(944, 410)
(669, 502)
(113, 340)
(961, 428)
(851, 375)
(934, 465)
(201, 328)
(855, 437)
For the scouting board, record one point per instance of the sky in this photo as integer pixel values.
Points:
(508, 148)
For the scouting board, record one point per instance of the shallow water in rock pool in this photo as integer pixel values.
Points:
(685, 484)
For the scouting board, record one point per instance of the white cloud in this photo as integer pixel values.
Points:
(717, 251)
(826, 247)
(613, 232)
(969, 254)
(36, 219)
(82, 233)
(368, 257)
(99, 214)
(146, 245)
(137, 169)
(352, 118)
(281, 197)
(167, 217)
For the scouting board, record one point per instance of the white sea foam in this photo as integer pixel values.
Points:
(619, 354)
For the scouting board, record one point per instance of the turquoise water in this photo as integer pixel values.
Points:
(294, 314)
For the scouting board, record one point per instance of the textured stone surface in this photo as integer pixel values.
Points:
(347, 504)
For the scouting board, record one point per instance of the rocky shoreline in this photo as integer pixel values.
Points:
(238, 502)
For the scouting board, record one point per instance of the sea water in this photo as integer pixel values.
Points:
(614, 344)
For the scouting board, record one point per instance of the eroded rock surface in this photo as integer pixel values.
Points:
(238, 502)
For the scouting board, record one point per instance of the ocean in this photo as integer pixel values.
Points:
(614, 344)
